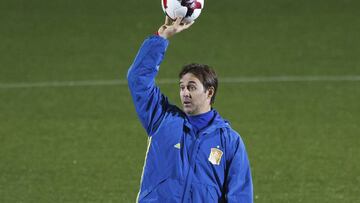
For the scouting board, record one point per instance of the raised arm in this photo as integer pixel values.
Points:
(150, 104)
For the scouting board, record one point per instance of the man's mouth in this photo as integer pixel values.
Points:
(186, 103)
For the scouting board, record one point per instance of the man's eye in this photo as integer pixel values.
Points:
(192, 88)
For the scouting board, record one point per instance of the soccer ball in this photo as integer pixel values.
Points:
(188, 9)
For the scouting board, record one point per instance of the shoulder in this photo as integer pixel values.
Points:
(175, 111)
(231, 134)
(233, 141)
(171, 122)
(171, 115)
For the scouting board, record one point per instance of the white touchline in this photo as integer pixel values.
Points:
(248, 79)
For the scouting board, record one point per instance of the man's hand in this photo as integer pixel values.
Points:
(170, 27)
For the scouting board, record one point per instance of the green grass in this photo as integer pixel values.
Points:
(85, 144)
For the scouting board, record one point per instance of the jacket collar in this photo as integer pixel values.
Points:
(218, 122)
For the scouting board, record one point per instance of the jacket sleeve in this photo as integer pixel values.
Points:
(239, 186)
(149, 103)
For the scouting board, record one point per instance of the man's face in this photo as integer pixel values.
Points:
(194, 98)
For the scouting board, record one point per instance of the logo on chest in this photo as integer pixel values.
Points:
(215, 156)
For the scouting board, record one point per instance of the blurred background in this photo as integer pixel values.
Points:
(289, 75)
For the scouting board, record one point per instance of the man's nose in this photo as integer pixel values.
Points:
(186, 92)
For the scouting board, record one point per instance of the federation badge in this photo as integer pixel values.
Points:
(215, 156)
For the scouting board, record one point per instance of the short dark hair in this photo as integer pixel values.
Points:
(204, 73)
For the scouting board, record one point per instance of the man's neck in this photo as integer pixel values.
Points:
(201, 121)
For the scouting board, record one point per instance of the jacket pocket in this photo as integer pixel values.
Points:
(204, 193)
(168, 190)
(211, 191)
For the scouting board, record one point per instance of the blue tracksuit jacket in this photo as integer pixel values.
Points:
(211, 166)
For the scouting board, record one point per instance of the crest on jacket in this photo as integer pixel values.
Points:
(215, 156)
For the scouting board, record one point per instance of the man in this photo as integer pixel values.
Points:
(193, 154)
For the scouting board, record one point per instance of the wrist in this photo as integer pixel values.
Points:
(161, 34)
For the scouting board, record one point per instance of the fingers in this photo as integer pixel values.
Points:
(186, 26)
(178, 21)
(171, 27)
(168, 21)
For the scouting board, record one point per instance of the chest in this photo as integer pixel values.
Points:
(182, 150)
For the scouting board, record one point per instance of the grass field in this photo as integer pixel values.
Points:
(84, 143)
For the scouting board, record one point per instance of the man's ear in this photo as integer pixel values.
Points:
(211, 91)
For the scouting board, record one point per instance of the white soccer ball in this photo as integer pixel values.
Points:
(188, 9)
